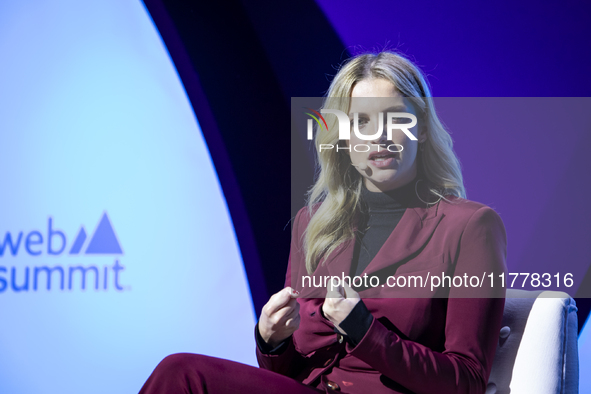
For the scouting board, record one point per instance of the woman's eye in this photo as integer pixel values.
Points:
(360, 122)
(400, 120)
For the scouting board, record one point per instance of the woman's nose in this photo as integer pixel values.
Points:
(379, 127)
(380, 138)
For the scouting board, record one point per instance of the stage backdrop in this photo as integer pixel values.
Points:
(116, 247)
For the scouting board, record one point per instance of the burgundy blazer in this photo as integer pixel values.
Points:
(419, 341)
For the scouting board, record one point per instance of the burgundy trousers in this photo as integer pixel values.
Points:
(194, 373)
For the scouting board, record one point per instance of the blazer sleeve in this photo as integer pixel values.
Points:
(289, 362)
(472, 327)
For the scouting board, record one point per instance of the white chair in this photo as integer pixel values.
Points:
(537, 351)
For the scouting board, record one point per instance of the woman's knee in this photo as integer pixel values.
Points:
(181, 372)
(181, 364)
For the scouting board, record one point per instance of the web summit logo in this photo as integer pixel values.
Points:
(33, 278)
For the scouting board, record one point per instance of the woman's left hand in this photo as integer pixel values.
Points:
(339, 302)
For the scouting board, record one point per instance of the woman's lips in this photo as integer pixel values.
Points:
(381, 159)
(380, 153)
(382, 162)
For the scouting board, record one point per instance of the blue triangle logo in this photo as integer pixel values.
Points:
(79, 241)
(104, 240)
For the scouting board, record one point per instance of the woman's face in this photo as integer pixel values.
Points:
(387, 170)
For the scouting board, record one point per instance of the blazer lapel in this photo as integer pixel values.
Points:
(339, 261)
(410, 236)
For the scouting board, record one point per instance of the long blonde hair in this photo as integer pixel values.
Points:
(336, 192)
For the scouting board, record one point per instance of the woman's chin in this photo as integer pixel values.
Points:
(375, 185)
(386, 183)
(384, 179)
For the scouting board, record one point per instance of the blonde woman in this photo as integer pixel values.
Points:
(388, 204)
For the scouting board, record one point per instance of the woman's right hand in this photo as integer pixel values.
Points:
(280, 317)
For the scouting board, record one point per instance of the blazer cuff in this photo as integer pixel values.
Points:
(357, 323)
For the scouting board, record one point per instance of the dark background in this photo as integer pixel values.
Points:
(242, 61)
